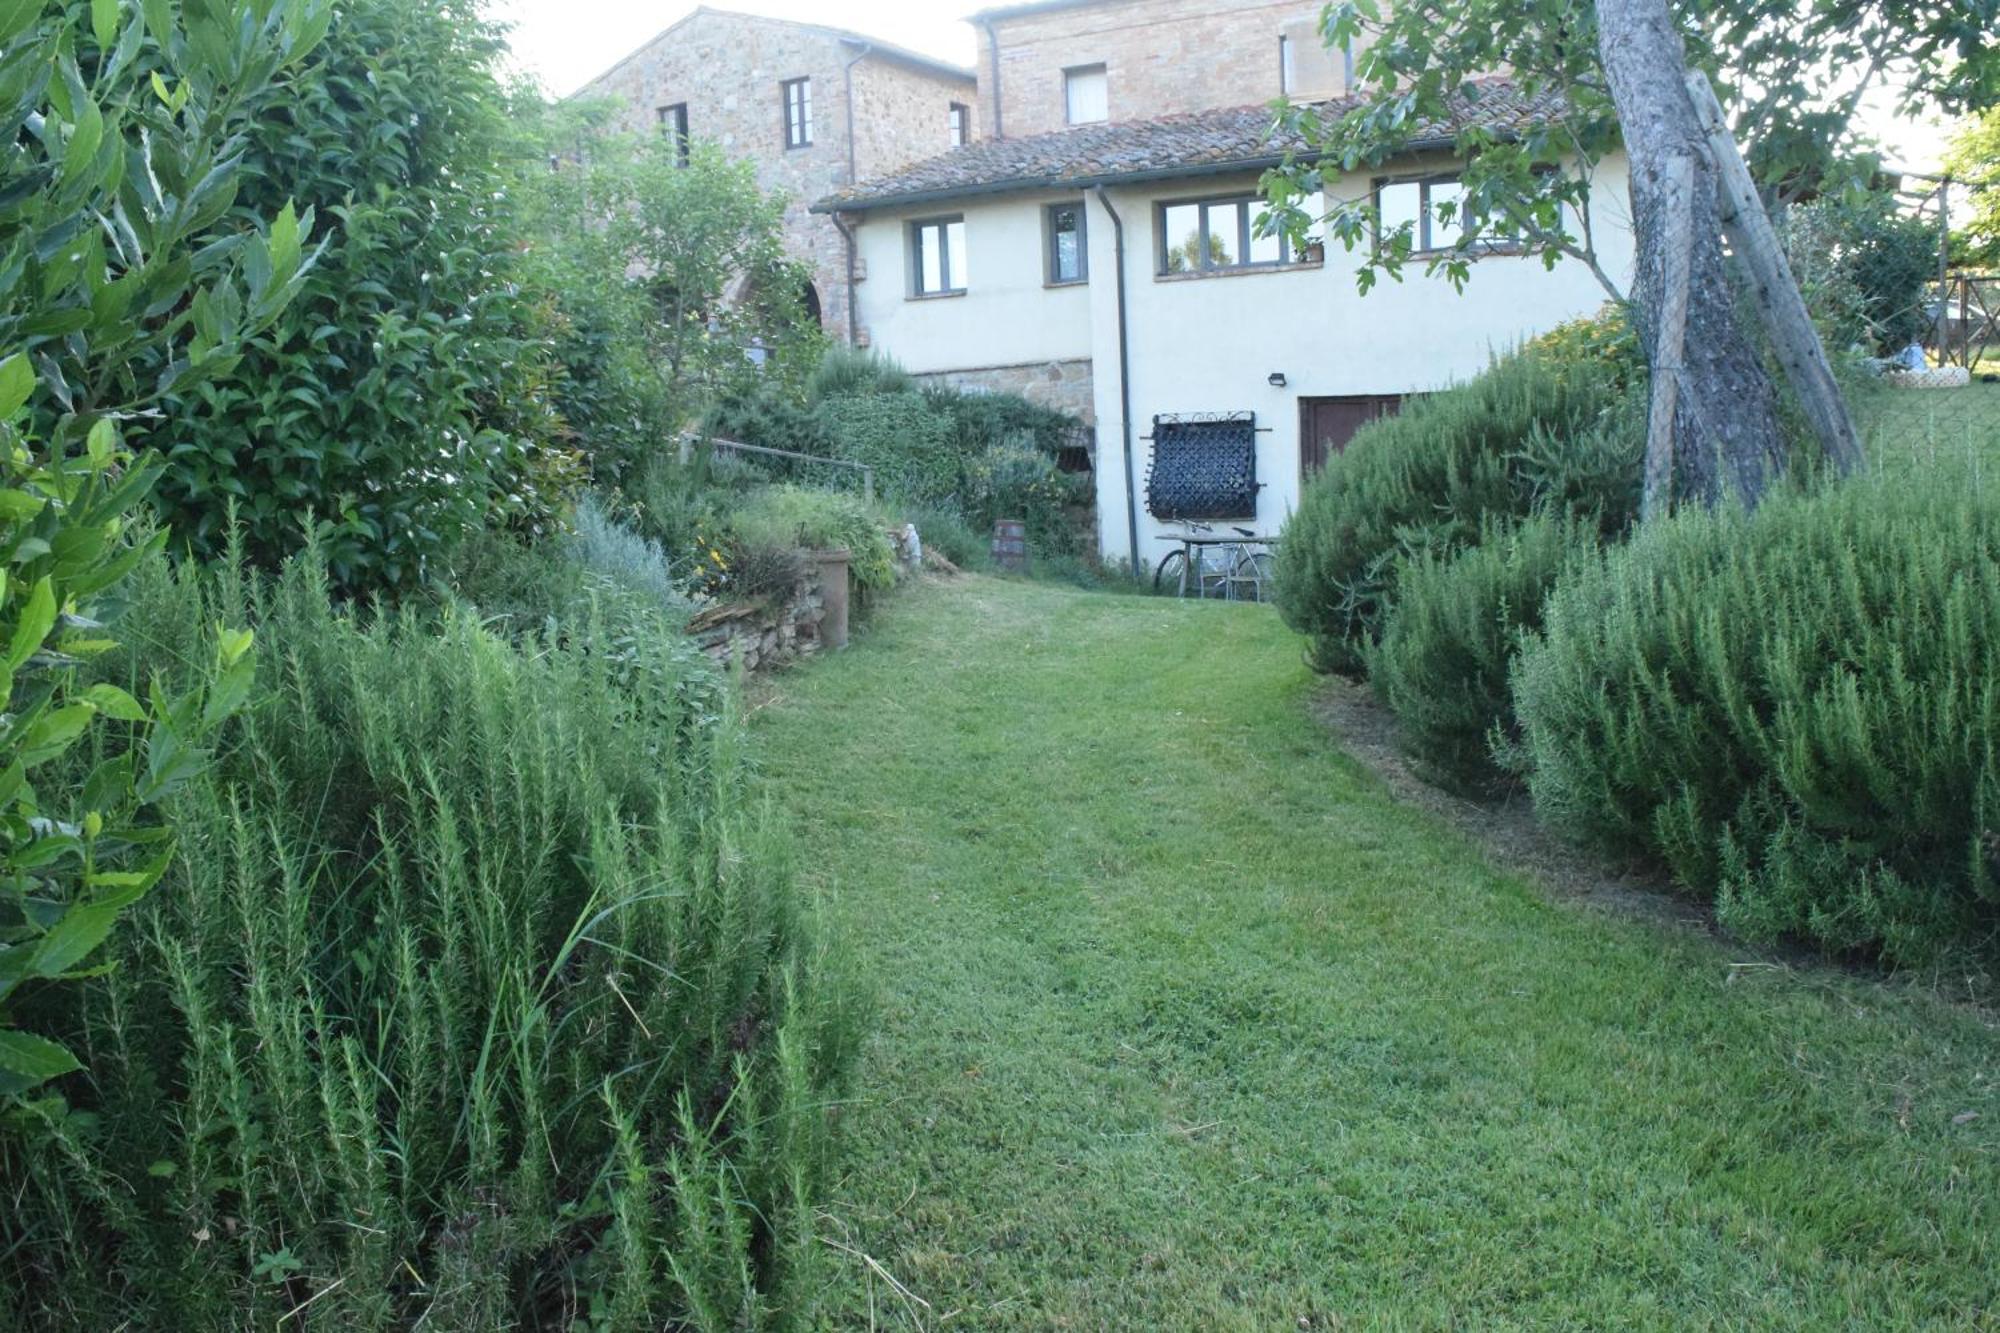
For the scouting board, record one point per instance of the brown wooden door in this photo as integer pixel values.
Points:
(1327, 424)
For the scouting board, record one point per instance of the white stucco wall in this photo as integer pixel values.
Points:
(1007, 316)
(1209, 344)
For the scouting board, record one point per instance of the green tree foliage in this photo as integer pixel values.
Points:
(1864, 267)
(124, 149)
(1796, 711)
(398, 403)
(1450, 641)
(1537, 430)
(480, 997)
(1418, 63)
(669, 283)
(1974, 158)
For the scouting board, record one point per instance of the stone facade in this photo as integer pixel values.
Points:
(729, 70)
(1065, 386)
(1161, 57)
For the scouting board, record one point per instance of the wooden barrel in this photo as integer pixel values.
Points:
(1010, 544)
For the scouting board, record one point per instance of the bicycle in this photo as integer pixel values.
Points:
(1240, 571)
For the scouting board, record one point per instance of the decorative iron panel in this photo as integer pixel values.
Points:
(1204, 467)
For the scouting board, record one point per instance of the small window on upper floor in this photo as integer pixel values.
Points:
(937, 257)
(674, 128)
(1069, 260)
(798, 113)
(961, 124)
(1288, 73)
(1086, 95)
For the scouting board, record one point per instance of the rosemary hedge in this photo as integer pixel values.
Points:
(1442, 667)
(478, 996)
(1542, 428)
(1799, 711)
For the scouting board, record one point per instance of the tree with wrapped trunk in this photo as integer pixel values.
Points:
(1722, 431)
(1616, 74)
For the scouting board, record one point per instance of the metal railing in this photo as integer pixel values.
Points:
(689, 443)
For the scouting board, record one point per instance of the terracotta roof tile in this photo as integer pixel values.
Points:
(1198, 143)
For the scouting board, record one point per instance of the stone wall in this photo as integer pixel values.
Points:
(903, 115)
(765, 637)
(1161, 57)
(729, 69)
(1066, 386)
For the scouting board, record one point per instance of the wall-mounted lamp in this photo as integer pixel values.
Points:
(1277, 379)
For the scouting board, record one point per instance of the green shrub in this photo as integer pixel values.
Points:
(1442, 666)
(399, 400)
(1534, 431)
(853, 372)
(944, 530)
(791, 516)
(479, 997)
(1864, 266)
(911, 445)
(1014, 481)
(1798, 711)
(608, 548)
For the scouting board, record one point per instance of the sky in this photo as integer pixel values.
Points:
(566, 43)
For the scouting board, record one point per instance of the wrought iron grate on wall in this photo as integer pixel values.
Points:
(1204, 467)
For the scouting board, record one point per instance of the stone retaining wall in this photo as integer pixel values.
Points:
(764, 636)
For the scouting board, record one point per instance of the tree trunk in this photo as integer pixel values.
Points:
(1726, 438)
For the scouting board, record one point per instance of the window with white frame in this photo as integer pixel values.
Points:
(961, 124)
(1086, 95)
(1288, 73)
(937, 257)
(798, 113)
(1068, 257)
(1218, 235)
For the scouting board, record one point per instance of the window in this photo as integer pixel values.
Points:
(1288, 74)
(1068, 259)
(798, 113)
(674, 126)
(961, 124)
(1217, 235)
(1414, 203)
(1086, 95)
(937, 257)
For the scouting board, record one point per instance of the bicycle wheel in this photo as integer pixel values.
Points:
(1171, 575)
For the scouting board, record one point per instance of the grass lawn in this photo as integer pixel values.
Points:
(1184, 1023)
(1900, 424)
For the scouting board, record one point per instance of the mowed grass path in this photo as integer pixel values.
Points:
(1183, 1023)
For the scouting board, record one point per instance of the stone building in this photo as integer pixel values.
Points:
(1118, 270)
(816, 109)
(1057, 63)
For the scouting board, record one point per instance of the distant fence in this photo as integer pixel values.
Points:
(1965, 319)
(791, 463)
